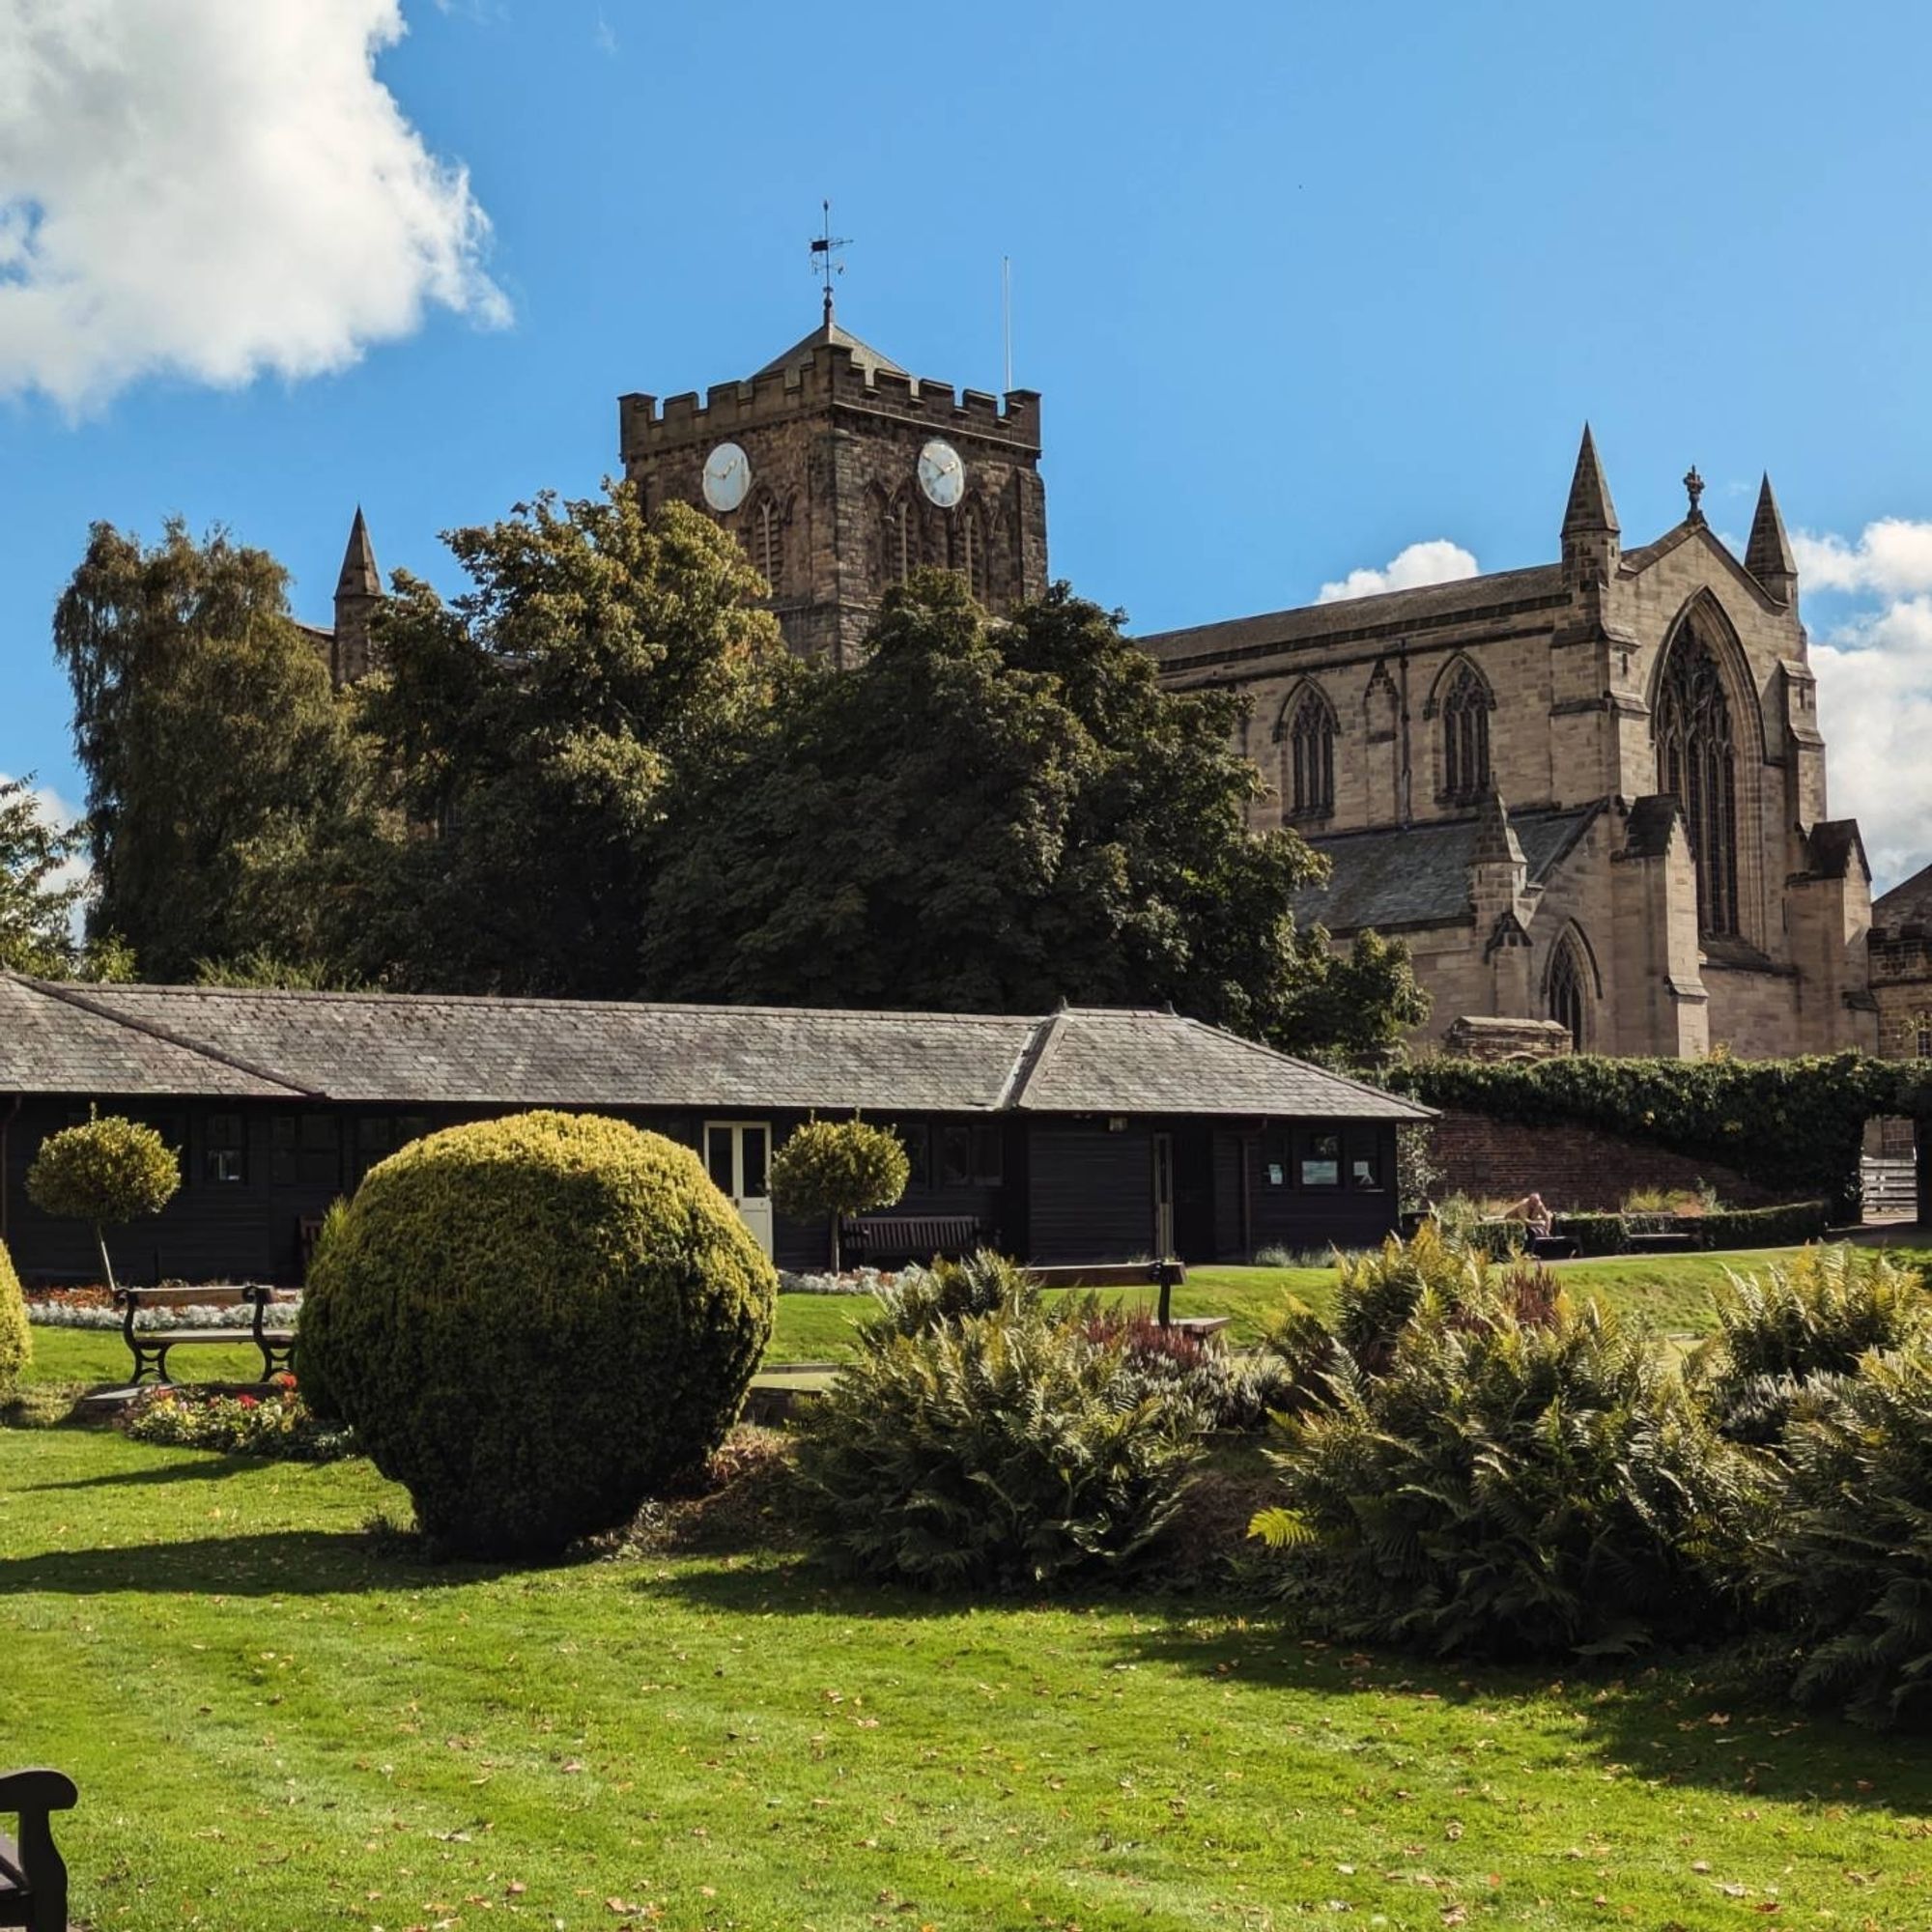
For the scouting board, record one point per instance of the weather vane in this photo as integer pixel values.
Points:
(825, 262)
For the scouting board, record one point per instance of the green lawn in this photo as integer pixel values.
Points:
(1671, 1292)
(278, 1721)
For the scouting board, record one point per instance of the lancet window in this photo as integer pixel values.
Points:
(1696, 764)
(1465, 735)
(1307, 757)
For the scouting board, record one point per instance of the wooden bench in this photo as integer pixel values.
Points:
(1163, 1275)
(1658, 1243)
(150, 1347)
(910, 1238)
(33, 1879)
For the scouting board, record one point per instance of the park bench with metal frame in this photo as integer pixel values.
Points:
(33, 1878)
(1166, 1275)
(150, 1347)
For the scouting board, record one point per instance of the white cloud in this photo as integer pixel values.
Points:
(1435, 562)
(215, 188)
(1875, 709)
(1892, 557)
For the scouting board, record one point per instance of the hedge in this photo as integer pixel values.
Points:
(1794, 1127)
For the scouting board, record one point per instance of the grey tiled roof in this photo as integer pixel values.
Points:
(1462, 600)
(511, 1052)
(1419, 875)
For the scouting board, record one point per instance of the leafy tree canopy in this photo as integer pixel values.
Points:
(106, 1170)
(537, 724)
(835, 1168)
(995, 815)
(212, 742)
(38, 898)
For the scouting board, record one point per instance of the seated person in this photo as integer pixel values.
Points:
(1531, 1211)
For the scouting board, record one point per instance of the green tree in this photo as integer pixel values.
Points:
(212, 742)
(106, 1171)
(17, 1338)
(37, 897)
(533, 730)
(836, 1168)
(994, 814)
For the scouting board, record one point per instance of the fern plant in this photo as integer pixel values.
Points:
(924, 1298)
(1002, 1451)
(1519, 1478)
(1791, 1322)
(1843, 1558)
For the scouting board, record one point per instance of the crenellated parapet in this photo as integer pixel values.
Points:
(832, 379)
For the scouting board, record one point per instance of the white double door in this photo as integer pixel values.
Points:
(738, 1155)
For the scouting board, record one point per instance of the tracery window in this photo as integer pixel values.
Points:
(1307, 757)
(1696, 764)
(1567, 993)
(1924, 1036)
(1465, 736)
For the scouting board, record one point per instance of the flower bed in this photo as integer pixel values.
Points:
(94, 1308)
(860, 1281)
(275, 1423)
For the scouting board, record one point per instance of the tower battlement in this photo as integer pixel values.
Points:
(832, 379)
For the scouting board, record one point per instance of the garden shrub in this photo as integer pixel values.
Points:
(104, 1171)
(1380, 1290)
(995, 1452)
(1207, 1388)
(16, 1340)
(829, 1169)
(924, 1298)
(1593, 1234)
(536, 1323)
(1794, 1322)
(1843, 1559)
(276, 1423)
(1788, 1226)
(1521, 1478)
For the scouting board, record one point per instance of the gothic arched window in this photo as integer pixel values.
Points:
(1924, 1041)
(901, 539)
(1308, 756)
(1465, 735)
(764, 538)
(1698, 766)
(969, 551)
(1568, 990)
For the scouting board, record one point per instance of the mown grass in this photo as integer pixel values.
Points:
(281, 1721)
(1670, 1293)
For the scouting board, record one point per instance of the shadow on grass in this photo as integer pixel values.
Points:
(204, 1469)
(274, 1563)
(1705, 1719)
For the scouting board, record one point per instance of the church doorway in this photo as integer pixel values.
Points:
(737, 1155)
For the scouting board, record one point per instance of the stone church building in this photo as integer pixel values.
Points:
(1664, 877)
(1589, 794)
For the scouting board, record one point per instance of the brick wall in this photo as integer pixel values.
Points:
(1572, 1168)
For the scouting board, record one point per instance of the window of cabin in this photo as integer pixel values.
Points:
(378, 1135)
(224, 1150)
(1365, 1165)
(918, 1143)
(305, 1150)
(1319, 1160)
(971, 1156)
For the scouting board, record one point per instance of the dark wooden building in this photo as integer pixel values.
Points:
(1083, 1135)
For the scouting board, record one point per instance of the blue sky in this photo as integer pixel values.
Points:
(1302, 285)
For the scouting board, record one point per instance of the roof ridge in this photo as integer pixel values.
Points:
(69, 995)
(1045, 1031)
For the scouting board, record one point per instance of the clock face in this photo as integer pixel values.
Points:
(941, 473)
(727, 475)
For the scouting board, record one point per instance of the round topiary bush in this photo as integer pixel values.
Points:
(533, 1323)
(106, 1170)
(835, 1168)
(17, 1338)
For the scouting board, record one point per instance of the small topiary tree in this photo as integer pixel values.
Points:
(533, 1323)
(835, 1168)
(17, 1338)
(107, 1171)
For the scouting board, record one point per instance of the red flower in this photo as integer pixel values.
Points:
(249, 1402)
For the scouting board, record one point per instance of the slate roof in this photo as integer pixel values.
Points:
(436, 1049)
(1418, 875)
(829, 333)
(1463, 600)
